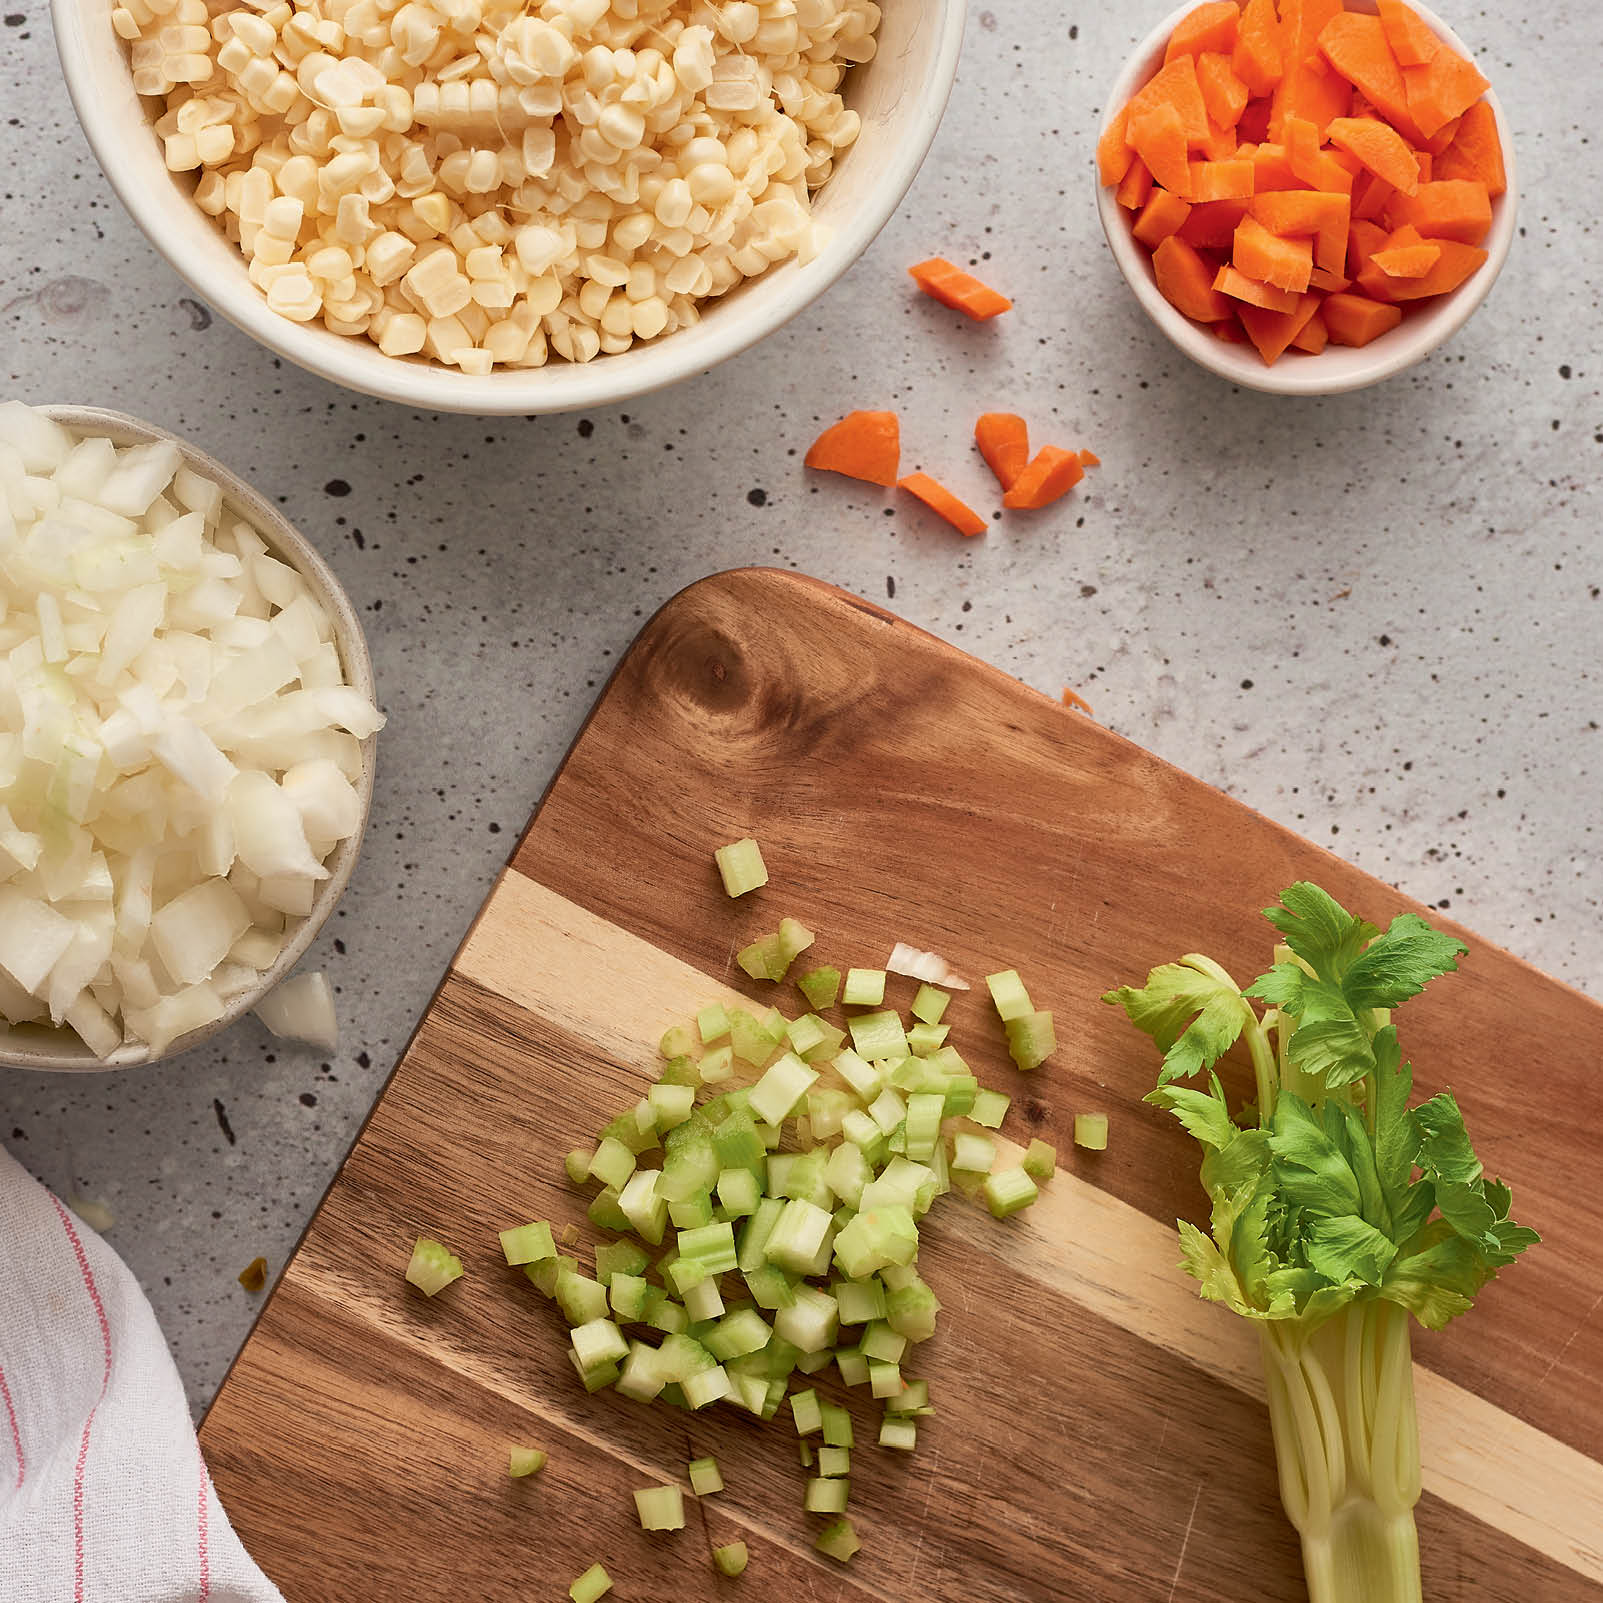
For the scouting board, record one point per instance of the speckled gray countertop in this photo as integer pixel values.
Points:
(1376, 617)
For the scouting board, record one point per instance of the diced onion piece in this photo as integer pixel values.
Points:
(930, 967)
(302, 1009)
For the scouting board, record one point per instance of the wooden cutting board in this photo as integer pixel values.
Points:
(1101, 1432)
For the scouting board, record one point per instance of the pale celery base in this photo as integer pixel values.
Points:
(1341, 1400)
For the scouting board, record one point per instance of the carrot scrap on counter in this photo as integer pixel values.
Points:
(1051, 474)
(1302, 170)
(940, 500)
(1072, 698)
(963, 292)
(1004, 442)
(863, 445)
(1090, 459)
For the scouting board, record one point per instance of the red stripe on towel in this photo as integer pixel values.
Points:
(88, 1424)
(203, 1559)
(16, 1435)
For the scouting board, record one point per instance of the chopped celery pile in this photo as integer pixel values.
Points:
(1338, 1211)
(764, 1201)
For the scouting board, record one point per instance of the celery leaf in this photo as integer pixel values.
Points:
(1194, 1017)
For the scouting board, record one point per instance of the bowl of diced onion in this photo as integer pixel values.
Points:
(187, 729)
(496, 207)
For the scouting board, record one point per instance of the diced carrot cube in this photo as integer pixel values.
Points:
(1456, 263)
(1356, 320)
(1407, 261)
(1257, 57)
(1134, 187)
(1450, 208)
(1411, 41)
(1379, 147)
(1212, 225)
(1186, 281)
(1210, 27)
(1051, 475)
(1234, 283)
(1323, 213)
(1174, 85)
(1273, 332)
(1113, 154)
(1281, 263)
(1222, 180)
(1476, 151)
(1159, 137)
(1312, 337)
(1162, 215)
(1223, 93)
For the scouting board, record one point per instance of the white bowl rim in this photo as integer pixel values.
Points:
(359, 365)
(37, 1051)
(1413, 340)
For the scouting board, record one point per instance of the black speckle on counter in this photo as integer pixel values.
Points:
(336, 487)
(15, 19)
(890, 587)
(222, 1121)
(586, 428)
(199, 317)
(308, 1100)
(758, 498)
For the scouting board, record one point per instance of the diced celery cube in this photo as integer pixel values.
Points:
(864, 987)
(974, 1154)
(627, 1294)
(883, 1344)
(1008, 993)
(1040, 1160)
(837, 1425)
(787, 1081)
(990, 1108)
(827, 1496)
(834, 1462)
(432, 1268)
(704, 1476)
(1091, 1131)
(838, 1540)
(613, 1164)
(1031, 1040)
(884, 1380)
(878, 1036)
(925, 1110)
(660, 1508)
(678, 1041)
(717, 1065)
(807, 1411)
(748, 1040)
(898, 1431)
(741, 865)
(598, 1342)
(923, 1039)
(738, 1192)
(577, 1163)
(523, 1461)
(820, 987)
(673, 1104)
(852, 1365)
(929, 1004)
(1008, 1190)
(859, 1301)
(580, 1298)
(528, 1243)
(606, 1210)
(730, 1559)
(592, 1584)
(712, 1023)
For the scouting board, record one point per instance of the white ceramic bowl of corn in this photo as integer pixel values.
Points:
(445, 202)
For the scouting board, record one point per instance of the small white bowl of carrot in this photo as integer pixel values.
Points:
(1306, 198)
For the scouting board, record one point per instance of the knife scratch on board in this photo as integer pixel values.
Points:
(1558, 1357)
(1185, 1542)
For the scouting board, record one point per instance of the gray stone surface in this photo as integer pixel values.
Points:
(1375, 618)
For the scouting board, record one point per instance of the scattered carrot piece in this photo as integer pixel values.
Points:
(1072, 698)
(1050, 475)
(1004, 442)
(1356, 320)
(963, 292)
(1380, 148)
(254, 1275)
(940, 500)
(863, 445)
(1090, 459)
(1185, 280)
(1162, 215)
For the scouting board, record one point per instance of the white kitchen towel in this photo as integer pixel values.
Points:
(104, 1497)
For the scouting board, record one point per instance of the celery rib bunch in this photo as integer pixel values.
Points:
(736, 1264)
(1338, 1212)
